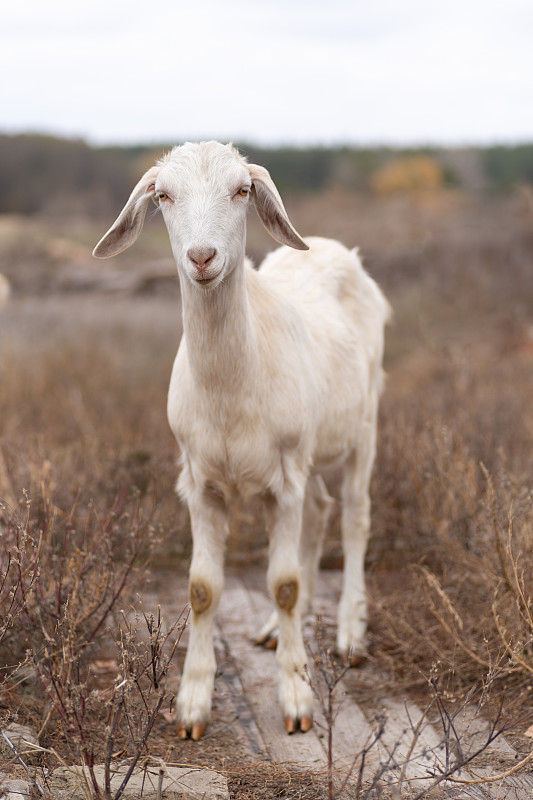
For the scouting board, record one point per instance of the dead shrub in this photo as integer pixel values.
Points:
(464, 599)
(60, 580)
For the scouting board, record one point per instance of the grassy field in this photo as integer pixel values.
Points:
(88, 464)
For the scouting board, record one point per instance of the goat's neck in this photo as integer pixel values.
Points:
(219, 332)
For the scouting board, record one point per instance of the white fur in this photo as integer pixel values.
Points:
(277, 377)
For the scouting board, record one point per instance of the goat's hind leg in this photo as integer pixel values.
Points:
(317, 508)
(209, 529)
(355, 524)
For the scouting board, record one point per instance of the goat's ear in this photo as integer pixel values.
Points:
(271, 210)
(130, 221)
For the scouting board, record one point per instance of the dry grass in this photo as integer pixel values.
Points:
(83, 432)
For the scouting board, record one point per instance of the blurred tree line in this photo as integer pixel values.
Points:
(48, 175)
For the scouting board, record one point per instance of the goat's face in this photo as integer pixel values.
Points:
(203, 191)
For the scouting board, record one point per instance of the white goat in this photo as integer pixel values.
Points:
(277, 376)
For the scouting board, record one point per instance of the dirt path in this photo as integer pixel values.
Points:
(407, 747)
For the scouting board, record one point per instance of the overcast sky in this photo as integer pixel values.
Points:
(269, 71)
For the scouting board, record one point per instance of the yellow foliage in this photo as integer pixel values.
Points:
(410, 174)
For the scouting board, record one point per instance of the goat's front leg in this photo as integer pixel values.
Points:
(284, 516)
(209, 522)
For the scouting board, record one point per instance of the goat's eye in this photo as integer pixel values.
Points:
(244, 191)
(161, 196)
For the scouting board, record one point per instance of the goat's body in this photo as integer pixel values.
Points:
(277, 377)
(315, 332)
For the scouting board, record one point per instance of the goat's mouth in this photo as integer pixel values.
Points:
(206, 281)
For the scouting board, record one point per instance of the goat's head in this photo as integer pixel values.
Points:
(203, 191)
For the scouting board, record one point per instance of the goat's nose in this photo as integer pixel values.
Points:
(201, 257)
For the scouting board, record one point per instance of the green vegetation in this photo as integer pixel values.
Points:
(43, 174)
(506, 167)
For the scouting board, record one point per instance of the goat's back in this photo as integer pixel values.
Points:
(325, 337)
(329, 286)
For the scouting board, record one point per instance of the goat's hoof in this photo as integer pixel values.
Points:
(197, 731)
(268, 635)
(306, 723)
(353, 658)
(292, 725)
(269, 642)
(356, 659)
